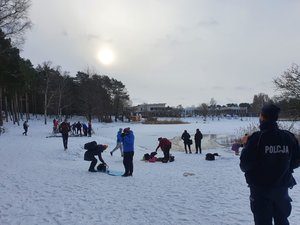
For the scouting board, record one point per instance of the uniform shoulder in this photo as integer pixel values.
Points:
(255, 135)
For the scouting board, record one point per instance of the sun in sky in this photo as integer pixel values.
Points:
(106, 55)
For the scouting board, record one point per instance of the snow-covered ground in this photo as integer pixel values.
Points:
(40, 183)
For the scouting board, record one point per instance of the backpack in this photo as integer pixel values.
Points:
(172, 158)
(146, 156)
(90, 145)
(210, 157)
(101, 167)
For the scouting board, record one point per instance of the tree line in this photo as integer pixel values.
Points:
(47, 90)
(288, 99)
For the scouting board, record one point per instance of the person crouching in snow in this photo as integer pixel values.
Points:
(165, 145)
(89, 155)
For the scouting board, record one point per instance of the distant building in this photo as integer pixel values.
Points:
(233, 110)
(154, 110)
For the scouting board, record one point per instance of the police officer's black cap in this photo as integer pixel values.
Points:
(270, 112)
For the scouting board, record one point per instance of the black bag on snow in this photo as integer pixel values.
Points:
(101, 167)
(146, 156)
(172, 158)
(90, 145)
(210, 157)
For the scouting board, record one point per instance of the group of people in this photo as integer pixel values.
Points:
(65, 128)
(187, 141)
(125, 142)
(268, 159)
(82, 129)
(77, 128)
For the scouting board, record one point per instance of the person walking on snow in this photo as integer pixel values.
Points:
(64, 129)
(165, 145)
(128, 151)
(268, 160)
(186, 140)
(198, 137)
(25, 127)
(119, 143)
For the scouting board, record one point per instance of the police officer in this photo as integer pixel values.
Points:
(268, 160)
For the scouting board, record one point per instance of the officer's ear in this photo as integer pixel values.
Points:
(262, 117)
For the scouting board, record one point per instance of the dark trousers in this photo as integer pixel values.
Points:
(187, 145)
(270, 203)
(128, 162)
(65, 140)
(166, 152)
(25, 131)
(198, 146)
(93, 163)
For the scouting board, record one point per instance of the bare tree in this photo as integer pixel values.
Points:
(289, 83)
(213, 107)
(14, 20)
(204, 110)
(259, 101)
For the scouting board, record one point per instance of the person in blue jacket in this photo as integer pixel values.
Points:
(128, 151)
(268, 160)
(119, 143)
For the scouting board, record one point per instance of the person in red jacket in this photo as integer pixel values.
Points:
(165, 145)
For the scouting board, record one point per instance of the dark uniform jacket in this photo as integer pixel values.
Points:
(269, 157)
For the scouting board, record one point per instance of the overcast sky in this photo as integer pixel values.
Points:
(171, 51)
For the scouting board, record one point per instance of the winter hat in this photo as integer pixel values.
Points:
(270, 112)
(104, 147)
(126, 130)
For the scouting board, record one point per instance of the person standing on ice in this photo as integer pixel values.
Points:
(186, 141)
(268, 160)
(119, 143)
(128, 151)
(165, 145)
(25, 127)
(64, 129)
(198, 137)
(90, 129)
